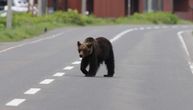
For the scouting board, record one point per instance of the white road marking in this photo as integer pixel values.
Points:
(32, 91)
(191, 66)
(10, 48)
(15, 102)
(183, 42)
(148, 28)
(32, 42)
(76, 62)
(68, 67)
(186, 49)
(175, 26)
(47, 81)
(59, 74)
(118, 36)
(184, 26)
(141, 28)
(164, 27)
(156, 27)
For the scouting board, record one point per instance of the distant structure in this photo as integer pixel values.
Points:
(119, 8)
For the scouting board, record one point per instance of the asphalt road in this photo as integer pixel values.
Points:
(152, 71)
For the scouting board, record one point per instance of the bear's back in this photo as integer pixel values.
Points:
(104, 46)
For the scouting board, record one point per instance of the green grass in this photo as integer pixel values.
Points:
(26, 26)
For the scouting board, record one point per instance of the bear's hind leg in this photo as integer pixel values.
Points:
(110, 68)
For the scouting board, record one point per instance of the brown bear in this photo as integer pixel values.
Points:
(93, 53)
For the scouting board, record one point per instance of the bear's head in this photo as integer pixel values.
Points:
(85, 49)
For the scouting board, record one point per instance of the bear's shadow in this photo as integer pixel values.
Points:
(82, 76)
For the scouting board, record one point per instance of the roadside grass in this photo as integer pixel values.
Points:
(26, 26)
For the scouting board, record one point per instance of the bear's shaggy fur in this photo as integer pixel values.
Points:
(93, 52)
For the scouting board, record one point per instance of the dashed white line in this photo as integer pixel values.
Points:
(68, 67)
(46, 81)
(32, 91)
(59, 74)
(15, 102)
(76, 62)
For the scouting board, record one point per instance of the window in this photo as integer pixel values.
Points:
(181, 5)
(2, 4)
(153, 5)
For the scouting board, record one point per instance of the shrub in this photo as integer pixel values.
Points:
(25, 25)
(156, 18)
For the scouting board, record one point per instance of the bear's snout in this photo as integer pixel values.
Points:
(80, 56)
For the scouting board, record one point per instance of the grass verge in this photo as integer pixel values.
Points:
(26, 26)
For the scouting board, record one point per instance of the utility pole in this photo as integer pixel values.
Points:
(83, 7)
(150, 9)
(9, 14)
(42, 7)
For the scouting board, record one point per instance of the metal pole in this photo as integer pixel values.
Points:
(83, 7)
(9, 14)
(150, 6)
(42, 7)
(39, 7)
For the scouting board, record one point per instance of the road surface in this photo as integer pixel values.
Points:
(153, 71)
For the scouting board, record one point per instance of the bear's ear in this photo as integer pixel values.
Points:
(78, 43)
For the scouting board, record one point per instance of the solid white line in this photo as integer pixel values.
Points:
(10, 48)
(175, 26)
(46, 81)
(15, 102)
(59, 74)
(156, 27)
(118, 36)
(183, 42)
(32, 42)
(141, 28)
(164, 27)
(186, 49)
(32, 91)
(76, 62)
(184, 26)
(148, 28)
(68, 67)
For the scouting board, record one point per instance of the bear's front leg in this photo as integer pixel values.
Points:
(93, 67)
(84, 64)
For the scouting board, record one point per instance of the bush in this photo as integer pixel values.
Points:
(25, 25)
(156, 18)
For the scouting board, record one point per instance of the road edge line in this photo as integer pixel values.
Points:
(186, 49)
